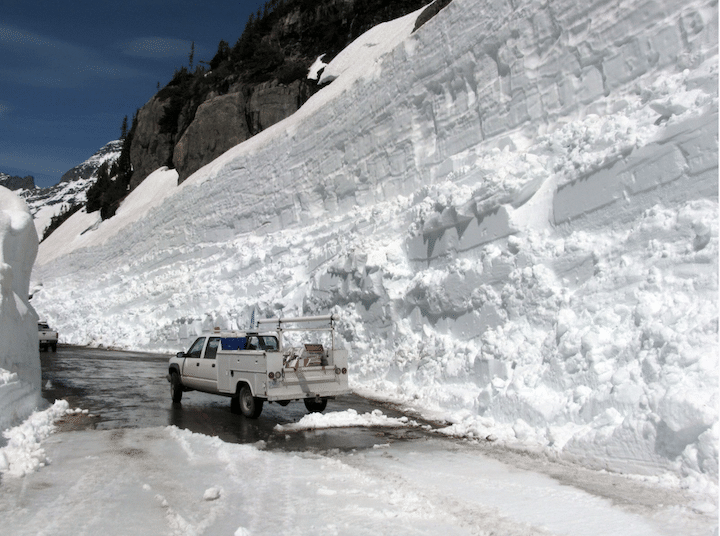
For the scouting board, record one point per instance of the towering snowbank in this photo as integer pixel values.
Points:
(514, 211)
(19, 360)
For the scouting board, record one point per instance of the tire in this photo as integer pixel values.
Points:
(175, 387)
(314, 405)
(54, 347)
(250, 406)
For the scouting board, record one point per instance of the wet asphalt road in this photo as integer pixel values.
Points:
(129, 390)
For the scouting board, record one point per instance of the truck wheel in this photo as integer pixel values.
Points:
(314, 405)
(250, 406)
(175, 387)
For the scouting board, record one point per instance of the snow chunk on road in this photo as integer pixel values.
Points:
(347, 418)
(212, 494)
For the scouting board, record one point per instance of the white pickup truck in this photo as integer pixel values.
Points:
(253, 366)
(48, 337)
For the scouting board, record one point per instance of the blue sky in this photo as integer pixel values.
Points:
(70, 71)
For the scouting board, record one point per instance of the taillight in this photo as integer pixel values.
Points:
(271, 375)
(344, 370)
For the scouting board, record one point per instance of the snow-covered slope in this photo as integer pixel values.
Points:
(514, 211)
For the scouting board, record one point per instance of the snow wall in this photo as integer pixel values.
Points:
(513, 210)
(19, 358)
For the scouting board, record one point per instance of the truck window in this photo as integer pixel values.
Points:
(269, 343)
(212, 348)
(196, 348)
(252, 343)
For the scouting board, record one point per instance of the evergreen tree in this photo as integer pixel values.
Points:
(124, 128)
(223, 53)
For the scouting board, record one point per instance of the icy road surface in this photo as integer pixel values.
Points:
(133, 469)
(129, 390)
(164, 480)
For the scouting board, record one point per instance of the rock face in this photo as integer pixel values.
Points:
(17, 183)
(224, 121)
(220, 123)
(151, 148)
(272, 102)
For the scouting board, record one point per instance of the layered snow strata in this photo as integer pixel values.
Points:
(19, 359)
(514, 212)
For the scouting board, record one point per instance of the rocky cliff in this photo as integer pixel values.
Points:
(17, 183)
(251, 86)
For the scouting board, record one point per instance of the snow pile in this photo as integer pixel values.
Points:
(19, 359)
(23, 453)
(514, 212)
(340, 419)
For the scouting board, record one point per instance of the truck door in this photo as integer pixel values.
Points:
(207, 369)
(191, 368)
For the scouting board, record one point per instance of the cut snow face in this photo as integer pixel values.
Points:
(513, 211)
(19, 358)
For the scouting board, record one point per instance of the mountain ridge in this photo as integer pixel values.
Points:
(48, 203)
(15, 182)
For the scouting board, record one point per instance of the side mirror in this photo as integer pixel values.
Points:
(180, 354)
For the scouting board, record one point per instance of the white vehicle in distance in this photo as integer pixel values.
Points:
(253, 366)
(48, 337)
